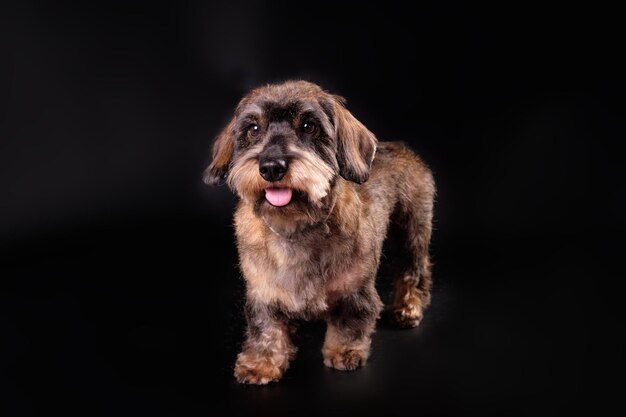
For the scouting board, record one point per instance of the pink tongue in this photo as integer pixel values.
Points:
(278, 196)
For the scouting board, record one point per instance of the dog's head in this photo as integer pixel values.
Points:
(286, 146)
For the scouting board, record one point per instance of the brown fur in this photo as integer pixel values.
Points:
(317, 257)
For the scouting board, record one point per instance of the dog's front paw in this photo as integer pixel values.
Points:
(345, 359)
(256, 370)
(406, 316)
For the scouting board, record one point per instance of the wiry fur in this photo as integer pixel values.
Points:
(317, 257)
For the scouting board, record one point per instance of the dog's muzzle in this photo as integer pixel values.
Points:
(274, 170)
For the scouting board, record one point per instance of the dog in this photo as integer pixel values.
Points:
(317, 195)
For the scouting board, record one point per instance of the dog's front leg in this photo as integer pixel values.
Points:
(267, 349)
(351, 322)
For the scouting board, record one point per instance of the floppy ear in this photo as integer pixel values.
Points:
(222, 155)
(356, 145)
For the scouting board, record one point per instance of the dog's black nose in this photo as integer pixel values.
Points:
(272, 169)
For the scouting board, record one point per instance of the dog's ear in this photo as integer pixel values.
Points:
(356, 145)
(222, 155)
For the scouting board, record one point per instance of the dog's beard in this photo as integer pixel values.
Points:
(309, 173)
(309, 178)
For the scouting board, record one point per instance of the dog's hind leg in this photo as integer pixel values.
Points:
(412, 278)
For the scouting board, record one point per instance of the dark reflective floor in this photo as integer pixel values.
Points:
(144, 318)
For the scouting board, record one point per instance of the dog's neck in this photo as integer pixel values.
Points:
(299, 230)
(339, 208)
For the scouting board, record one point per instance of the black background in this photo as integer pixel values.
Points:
(120, 292)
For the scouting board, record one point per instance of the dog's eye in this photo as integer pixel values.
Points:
(309, 128)
(253, 130)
